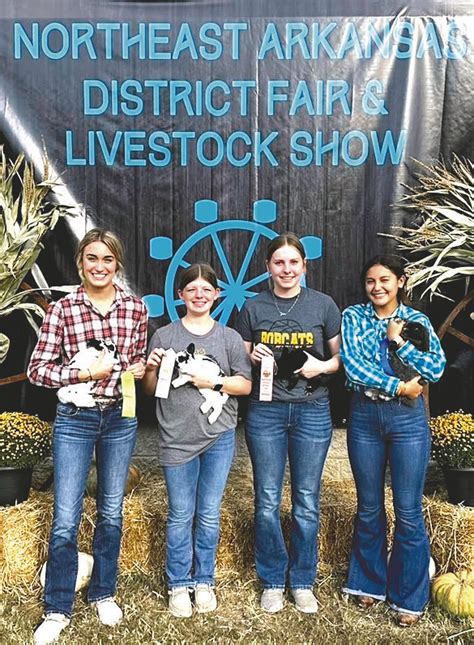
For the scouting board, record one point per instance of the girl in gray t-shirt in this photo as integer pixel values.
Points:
(196, 444)
(284, 322)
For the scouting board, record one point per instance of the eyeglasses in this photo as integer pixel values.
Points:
(192, 291)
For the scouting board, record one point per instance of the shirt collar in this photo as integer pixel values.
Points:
(400, 312)
(80, 296)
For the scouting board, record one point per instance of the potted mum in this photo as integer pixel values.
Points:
(24, 441)
(453, 448)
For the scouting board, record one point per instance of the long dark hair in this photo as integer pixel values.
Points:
(393, 263)
(195, 271)
(285, 239)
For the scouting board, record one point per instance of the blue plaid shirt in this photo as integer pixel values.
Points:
(362, 332)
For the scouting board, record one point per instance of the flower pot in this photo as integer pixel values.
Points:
(15, 484)
(460, 485)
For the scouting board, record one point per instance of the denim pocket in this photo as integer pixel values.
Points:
(322, 402)
(67, 409)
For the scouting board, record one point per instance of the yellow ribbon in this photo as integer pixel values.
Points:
(128, 392)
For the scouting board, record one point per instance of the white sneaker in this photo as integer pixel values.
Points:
(179, 602)
(272, 600)
(204, 598)
(50, 628)
(109, 612)
(305, 600)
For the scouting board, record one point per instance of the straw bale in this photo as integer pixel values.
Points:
(144, 526)
(23, 540)
(24, 529)
(235, 552)
(338, 508)
(451, 531)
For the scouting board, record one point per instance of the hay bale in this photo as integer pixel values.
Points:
(24, 529)
(144, 527)
(338, 507)
(23, 541)
(451, 531)
(235, 552)
(450, 527)
(24, 534)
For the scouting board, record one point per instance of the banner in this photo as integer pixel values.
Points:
(200, 130)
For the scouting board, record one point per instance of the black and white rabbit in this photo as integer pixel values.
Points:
(80, 394)
(189, 363)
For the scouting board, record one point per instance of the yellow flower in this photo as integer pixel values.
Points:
(453, 439)
(24, 439)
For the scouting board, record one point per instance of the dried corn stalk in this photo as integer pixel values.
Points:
(439, 246)
(25, 216)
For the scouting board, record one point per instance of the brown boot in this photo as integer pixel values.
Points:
(407, 620)
(366, 602)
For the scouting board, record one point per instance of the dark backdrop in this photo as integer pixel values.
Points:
(427, 95)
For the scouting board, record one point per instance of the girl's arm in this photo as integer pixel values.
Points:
(429, 365)
(359, 369)
(45, 367)
(151, 370)
(233, 385)
(137, 364)
(314, 366)
(257, 352)
(238, 383)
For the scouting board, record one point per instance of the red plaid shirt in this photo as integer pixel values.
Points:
(71, 322)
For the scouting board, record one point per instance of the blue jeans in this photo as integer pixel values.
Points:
(380, 433)
(301, 431)
(76, 432)
(195, 491)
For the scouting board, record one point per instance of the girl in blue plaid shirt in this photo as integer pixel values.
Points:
(387, 424)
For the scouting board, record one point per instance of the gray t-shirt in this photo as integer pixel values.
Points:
(184, 431)
(311, 322)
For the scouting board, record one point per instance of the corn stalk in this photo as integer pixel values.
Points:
(25, 216)
(439, 245)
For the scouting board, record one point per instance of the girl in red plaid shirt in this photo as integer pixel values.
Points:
(100, 310)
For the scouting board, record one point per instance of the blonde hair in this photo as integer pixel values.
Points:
(111, 241)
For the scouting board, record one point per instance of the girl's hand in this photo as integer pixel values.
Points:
(102, 367)
(395, 328)
(138, 370)
(203, 382)
(258, 352)
(153, 361)
(412, 389)
(312, 367)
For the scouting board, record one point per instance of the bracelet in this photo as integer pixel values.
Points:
(90, 375)
(402, 389)
(399, 341)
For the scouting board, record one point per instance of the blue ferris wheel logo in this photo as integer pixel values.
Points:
(235, 288)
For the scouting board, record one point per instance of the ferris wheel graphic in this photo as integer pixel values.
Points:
(235, 287)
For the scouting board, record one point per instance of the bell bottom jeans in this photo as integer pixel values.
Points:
(76, 432)
(380, 433)
(195, 491)
(302, 433)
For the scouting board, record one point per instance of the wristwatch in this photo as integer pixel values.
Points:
(399, 341)
(219, 384)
